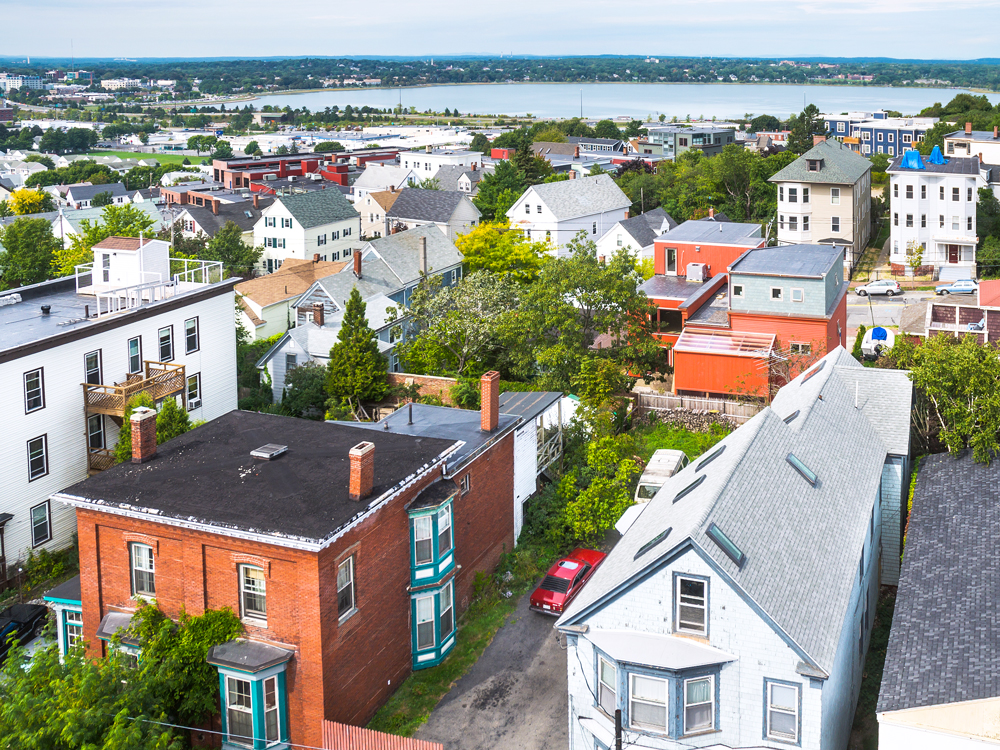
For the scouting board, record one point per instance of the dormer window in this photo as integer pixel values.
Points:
(814, 165)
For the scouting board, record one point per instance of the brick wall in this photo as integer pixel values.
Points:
(429, 385)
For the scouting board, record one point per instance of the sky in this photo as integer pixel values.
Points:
(927, 29)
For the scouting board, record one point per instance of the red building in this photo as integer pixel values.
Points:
(347, 551)
(239, 173)
(711, 243)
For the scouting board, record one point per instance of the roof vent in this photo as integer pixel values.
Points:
(269, 452)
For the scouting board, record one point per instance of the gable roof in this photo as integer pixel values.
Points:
(840, 165)
(385, 198)
(645, 228)
(945, 629)
(87, 192)
(237, 212)
(318, 207)
(381, 176)
(801, 543)
(570, 199)
(427, 205)
(449, 175)
(291, 280)
(401, 252)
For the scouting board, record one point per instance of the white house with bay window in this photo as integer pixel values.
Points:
(305, 225)
(76, 349)
(736, 610)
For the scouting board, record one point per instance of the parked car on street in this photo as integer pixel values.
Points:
(19, 621)
(888, 287)
(564, 580)
(962, 286)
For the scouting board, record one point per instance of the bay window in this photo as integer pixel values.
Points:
(699, 704)
(433, 618)
(648, 702)
(239, 711)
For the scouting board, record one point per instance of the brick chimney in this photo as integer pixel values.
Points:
(362, 458)
(318, 312)
(817, 139)
(315, 257)
(422, 260)
(429, 149)
(572, 174)
(215, 207)
(489, 409)
(256, 202)
(994, 132)
(711, 213)
(968, 128)
(357, 263)
(474, 164)
(143, 424)
(576, 152)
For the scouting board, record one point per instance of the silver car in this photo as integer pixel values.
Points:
(888, 287)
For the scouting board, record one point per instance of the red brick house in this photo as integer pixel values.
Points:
(347, 552)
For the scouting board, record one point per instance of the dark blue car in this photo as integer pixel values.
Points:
(21, 621)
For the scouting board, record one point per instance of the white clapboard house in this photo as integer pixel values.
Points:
(320, 222)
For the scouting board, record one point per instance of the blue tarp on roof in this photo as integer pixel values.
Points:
(912, 160)
(878, 334)
(936, 156)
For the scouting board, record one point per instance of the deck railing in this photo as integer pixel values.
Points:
(159, 380)
(100, 459)
(740, 411)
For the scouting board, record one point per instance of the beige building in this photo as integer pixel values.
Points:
(373, 207)
(824, 197)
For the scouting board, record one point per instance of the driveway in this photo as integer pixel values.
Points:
(514, 696)
(879, 310)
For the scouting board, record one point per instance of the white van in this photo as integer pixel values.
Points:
(663, 465)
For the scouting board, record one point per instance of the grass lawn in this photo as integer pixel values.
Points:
(864, 733)
(659, 436)
(162, 158)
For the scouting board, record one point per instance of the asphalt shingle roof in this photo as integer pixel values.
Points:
(426, 205)
(87, 192)
(211, 222)
(401, 252)
(448, 176)
(570, 199)
(808, 261)
(645, 228)
(318, 207)
(801, 542)
(714, 232)
(840, 165)
(945, 629)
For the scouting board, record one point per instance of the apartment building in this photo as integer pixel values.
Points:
(321, 222)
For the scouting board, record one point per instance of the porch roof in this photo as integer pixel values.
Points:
(735, 343)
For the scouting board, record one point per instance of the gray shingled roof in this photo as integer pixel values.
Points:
(448, 176)
(235, 212)
(840, 165)
(401, 252)
(800, 261)
(946, 630)
(570, 199)
(426, 205)
(645, 228)
(318, 207)
(715, 232)
(87, 192)
(801, 542)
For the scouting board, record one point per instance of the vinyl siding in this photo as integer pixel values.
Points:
(525, 470)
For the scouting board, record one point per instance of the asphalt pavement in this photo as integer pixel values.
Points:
(514, 696)
(879, 310)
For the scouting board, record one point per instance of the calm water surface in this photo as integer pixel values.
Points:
(637, 100)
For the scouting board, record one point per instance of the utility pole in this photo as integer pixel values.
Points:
(618, 729)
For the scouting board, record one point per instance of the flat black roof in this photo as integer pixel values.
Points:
(662, 286)
(528, 404)
(208, 476)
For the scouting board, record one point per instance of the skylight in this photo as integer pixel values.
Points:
(652, 543)
(808, 474)
(791, 417)
(690, 488)
(814, 370)
(706, 461)
(726, 545)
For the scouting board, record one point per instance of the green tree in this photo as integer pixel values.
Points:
(495, 247)
(607, 129)
(505, 177)
(41, 159)
(305, 391)
(227, 246)
(252, 148)
(987, 215)
(806, 125)
(764, 122)
(550, 134)
(123, 448)
(612, 472)
(429, 183)
(223, 150)
(171, 421)
(28, 248)
(281, 151)
(53, 142)
(102, 199)
(125, 220)
(480, 143)
(988, 258)
(357, 370)
(328, 147)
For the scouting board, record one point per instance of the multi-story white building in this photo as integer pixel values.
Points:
(556, 212)
(426, 163)
(120, 84)
(13, 83)
(321, 222)
(824, 198)
(932, 211)
(968, 142)
(76, 349)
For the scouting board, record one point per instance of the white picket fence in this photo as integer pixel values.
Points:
(736, 410)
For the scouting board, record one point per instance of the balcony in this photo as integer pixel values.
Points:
(186, 274)
(100, 459)
(159, 380)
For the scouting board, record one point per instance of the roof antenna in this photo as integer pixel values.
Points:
(410, 416)
(857, 384)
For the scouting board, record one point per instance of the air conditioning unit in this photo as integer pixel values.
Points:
(292, 178)
(270, 177)
(194, 403)
(697, 272)
(315, 177)
(256, 157)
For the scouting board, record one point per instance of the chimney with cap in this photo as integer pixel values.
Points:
(357, 263)
(423, 256)
(489, 398)
(318, 313)
(362, 480)
(143, 424)
(968, 128)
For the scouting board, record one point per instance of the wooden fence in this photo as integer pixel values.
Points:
(345, 737)
(737, 410)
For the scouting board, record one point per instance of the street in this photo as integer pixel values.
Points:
(879, 310)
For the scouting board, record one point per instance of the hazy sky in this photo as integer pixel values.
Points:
(933, 29)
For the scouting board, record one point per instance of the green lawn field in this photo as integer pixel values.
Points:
(167, 158)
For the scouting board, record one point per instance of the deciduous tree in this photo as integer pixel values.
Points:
(24, 202)
(227, 246)
(28, 248)
(496, 247)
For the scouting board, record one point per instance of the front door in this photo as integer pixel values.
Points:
(953, 253)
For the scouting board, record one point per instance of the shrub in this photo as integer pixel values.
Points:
(857, 343)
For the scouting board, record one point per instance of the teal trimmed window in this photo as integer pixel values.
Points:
(432, 538)
(433, 624)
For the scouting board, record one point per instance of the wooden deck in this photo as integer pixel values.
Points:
(159, 380)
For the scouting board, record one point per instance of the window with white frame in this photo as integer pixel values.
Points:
(143, 570)
(286, 223)
(941, 192)
(834, 223)
(73, 621)
(447, 610)
(272, 728)
(253, 593)
(798, 348)
(907, 138)
(95, 432)
(92, 367)
(798, 295)
(41, 528)
(781, 221)
(191, 338)
(607, 686)
(321, 239)
(165, 337)
(194, 391)
(835, 196)
(444, 531)
(134, 355)
(968, 223)
(793, 223)
(425, 623)
(594, 230)
(738, 290)
(923, 191)
(539, 209)
(291, 361)
(909, 191)
(793, 195)
(648, 702)
(955, 223)
(895, 190)
(781, 193)
(34, 391)
(782, 711)
(909, 220)
(423, 541)
(968, 195)
(805, 195)
(466, 483)
(956, 194)
(805, 223)
(527, 208)
(239, 711)
(345, 588)
(923, 221)
(269, 221)
(776, 293)
(699, 704)
(692, 605)
(38, 457)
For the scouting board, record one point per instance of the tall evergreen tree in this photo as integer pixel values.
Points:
(806, 125)
(357, 370)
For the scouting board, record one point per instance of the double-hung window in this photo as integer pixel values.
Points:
(782, 711)
(74, 628)
(834, 223)
(594, 230)
(253, 593)
(941, 192)
(793, 195)
(941, 221)
(425, 622)
(38, 457)
(835, 196)
(423, 540)
(92, 366)
(648, 702)
(923, 191)
(956, 194)
(527, 208)
(909, 191)
(191, 339)
(34, 391)
(968, 195)
(95, 432)
(968, 223)
(194, 391)
(805, 195)
(41, 530)
(692, 605)
(607, 686)
(805, 223)
(271, 717)
(165, 337)
(345, 588)
(447, 610)
(134, 356)
(444, 531)
(909, 220)
(143, 570)
(699, 704)
(239, 711)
